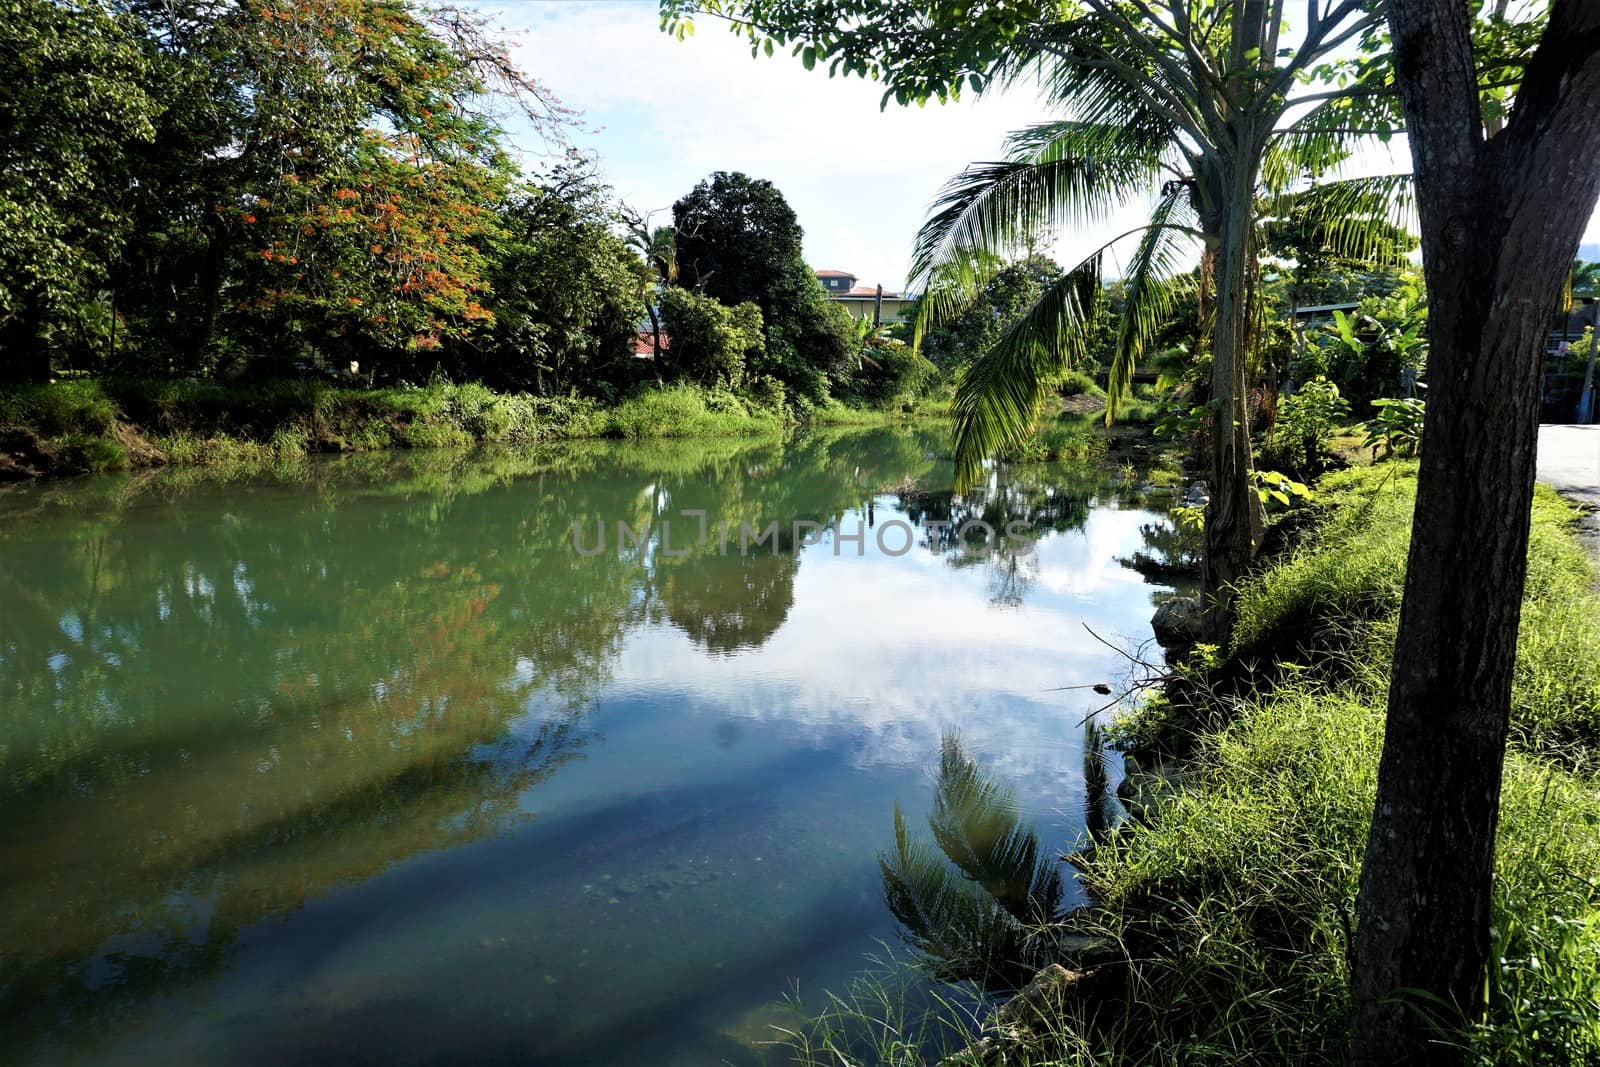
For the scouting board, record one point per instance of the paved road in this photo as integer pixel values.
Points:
(1569, 460)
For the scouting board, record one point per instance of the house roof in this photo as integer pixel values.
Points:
(866, 292)
(644, 344)
(836, 274)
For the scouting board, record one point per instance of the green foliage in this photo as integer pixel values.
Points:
(566, 290)
(1396, 430)
(1374, 352)
(892, 373)
(1066, 438)
(684, 411)
(1010, 291)
(1280, 490)
(75, 110)
(1077, 383)
(211, 181)
(712, 344)
(737, 240)
(1306, 422)
(918, 49)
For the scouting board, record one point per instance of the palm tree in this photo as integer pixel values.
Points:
(1192, 106)
(985, 904)
(657, 247)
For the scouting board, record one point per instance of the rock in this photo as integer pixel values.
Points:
(1023, 1019)
(1177, 622)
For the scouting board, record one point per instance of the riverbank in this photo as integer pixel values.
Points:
(75, 427)
(1233, 900)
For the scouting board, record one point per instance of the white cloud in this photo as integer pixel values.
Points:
(663, 113)
(670, 112)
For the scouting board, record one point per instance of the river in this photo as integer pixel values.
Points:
(375, 759)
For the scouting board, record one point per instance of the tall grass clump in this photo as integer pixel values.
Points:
(685, 411)
(1344, 582)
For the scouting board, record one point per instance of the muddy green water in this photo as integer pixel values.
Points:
(360, 761)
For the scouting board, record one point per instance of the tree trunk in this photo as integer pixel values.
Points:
(1233, 518)
(1500, 222)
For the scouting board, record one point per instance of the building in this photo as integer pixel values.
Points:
(870, 302)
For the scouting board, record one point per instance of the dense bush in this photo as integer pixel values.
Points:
(711, 343)
(1306, 421)
(1380, 350)
(737, 241)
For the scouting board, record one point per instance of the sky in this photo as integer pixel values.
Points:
(661, 114)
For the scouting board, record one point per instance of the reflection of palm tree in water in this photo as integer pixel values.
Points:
(981, 905)
(1041, 505)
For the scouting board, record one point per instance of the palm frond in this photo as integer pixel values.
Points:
(951, 921)
(981, 904)
(1364, 219)
(998, 398)
(1090, 68)
(1155, 280)
(977, 825)
(1060, 174)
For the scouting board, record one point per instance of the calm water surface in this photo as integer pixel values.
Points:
(360, 762)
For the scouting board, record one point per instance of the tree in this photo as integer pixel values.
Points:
(657, 248)
(261, 176)
(1195, 104)
(1585, 279)
(1011, 291)
(566, 296)
(712, 343)
(1503, 204)
(75, 101)
(738, 240)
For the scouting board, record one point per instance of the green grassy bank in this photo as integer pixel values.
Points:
(1234, 906)
(77, 426)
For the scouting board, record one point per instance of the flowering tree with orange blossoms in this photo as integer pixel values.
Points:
(378, 168)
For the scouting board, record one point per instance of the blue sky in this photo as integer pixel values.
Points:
(661, 114)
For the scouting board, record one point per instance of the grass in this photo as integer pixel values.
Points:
(1233, 906)
(1065, 437)
(687, 411)
(87, 425)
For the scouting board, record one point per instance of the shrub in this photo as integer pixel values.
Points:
(1077, 383)
(711, 344)
(1306, 421)
(1396, 430)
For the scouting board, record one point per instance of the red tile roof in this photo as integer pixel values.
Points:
(836, 274)
(644, 343)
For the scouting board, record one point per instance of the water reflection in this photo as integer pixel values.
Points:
(979, 908)
(268, 742)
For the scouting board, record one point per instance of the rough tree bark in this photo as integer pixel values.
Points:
(1501, 218)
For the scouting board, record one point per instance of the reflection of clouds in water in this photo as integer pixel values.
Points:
(882, 657)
